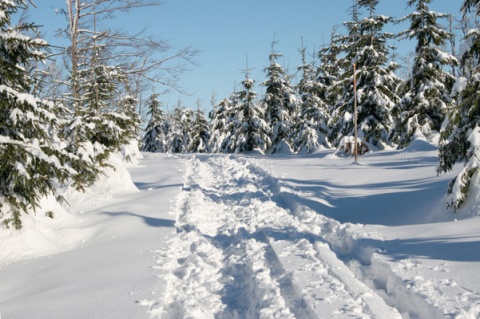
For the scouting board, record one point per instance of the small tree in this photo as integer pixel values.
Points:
(200, 133)
(154, 139)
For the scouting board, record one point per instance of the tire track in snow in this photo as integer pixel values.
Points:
(241, 253)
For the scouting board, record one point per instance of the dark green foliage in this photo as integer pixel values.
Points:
(377, 85)
(32, 163)
(424, 107)
(154, 139)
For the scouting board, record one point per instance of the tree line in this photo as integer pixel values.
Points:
(65, 110)
(435, 99)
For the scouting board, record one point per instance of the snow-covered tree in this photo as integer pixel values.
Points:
(376, 83)
(221, 116)
(329, 69)
(423, 108)
(32, 161)
(179, 129)
(310, 126)
(250, 129)
(279, 102)
(154, 139)
(460, 138)
(200, 133)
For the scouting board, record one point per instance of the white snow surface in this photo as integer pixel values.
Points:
(250, 236)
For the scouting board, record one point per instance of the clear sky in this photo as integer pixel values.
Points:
(228, 31)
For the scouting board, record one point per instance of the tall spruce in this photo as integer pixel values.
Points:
(460, 139)
(278, 102)
(251, 132)
(32, 162)
(424, 106)
(310, 126)
(366, 46)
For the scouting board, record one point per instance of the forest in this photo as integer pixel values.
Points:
(64, 112)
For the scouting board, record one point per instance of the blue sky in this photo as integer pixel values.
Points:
(228, 31)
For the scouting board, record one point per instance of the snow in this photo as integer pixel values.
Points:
(250, 236)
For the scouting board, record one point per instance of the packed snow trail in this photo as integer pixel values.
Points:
(243, 251)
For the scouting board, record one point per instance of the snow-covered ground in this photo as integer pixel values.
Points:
(233, 236)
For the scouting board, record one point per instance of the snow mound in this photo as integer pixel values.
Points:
(283, 148)
(471, 206)
(45, 232)
(115, 180)
(420, 144)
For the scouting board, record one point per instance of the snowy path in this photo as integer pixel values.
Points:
(242, 252)
(239, 237)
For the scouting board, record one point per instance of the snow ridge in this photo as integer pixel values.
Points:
(243, 250)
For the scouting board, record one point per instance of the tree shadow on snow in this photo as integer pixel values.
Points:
(150, 221)
(459, 249)
(401, 203)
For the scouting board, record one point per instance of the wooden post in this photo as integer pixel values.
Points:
(355, 148)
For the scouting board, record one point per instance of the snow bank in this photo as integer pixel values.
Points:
(42, 235)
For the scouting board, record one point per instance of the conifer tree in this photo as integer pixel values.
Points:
(377, 84)
(329, 70)
(179, 130)
(460, 139)
(32, 164)
(279, 102)
(310, 129)
(200, 133)
(251, 130)
(154, 139)
(221, 116)
(423, 108)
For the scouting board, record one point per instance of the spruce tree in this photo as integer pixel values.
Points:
(32, 163)
(329, 70)
(251, 131)
(377, 84)
(221, 116)
(460, 139)
(310, 129)
(424, 106)
(154, 139)
(200, 133)
(279, 102)
(179, 130)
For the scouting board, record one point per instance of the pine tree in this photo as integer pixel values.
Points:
(100, 126)
(329, 70)
(154, 139)
(221, 116)
(127, 106)
(377, 84)
(200, 133)
(32, 163)
(179, 130)
(310, 129)
(460, 139)
(251, 130)
(279, 102)
(423, 108)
